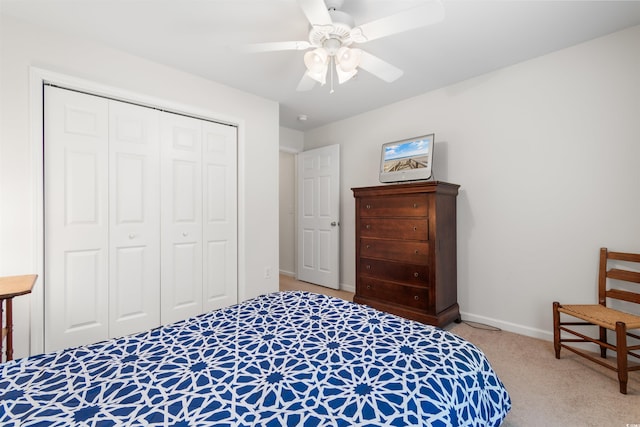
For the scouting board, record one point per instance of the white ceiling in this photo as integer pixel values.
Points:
(199, 36)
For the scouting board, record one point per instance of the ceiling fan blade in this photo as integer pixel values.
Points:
(274, 46)
(430, 13)
(306, 83)
(379, 68)
(316, 12)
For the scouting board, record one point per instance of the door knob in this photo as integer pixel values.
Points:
(333, 223)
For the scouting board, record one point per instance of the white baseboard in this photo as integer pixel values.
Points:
(509, 327)
(288, 273)
(347, 288)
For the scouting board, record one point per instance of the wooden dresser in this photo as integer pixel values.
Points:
(406, 250)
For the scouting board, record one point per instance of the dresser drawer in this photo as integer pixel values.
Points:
(408, 205)
(394, 293)
(394, 271)
(395, 228)
(397, 250)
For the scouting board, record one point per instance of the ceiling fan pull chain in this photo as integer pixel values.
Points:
(331, 66)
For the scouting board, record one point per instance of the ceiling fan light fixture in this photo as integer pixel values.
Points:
(316, 60)
(348, 59)
(317, 63)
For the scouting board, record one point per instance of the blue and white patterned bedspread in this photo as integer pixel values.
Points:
(284, 359)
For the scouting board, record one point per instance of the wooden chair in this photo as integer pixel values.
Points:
(605, 318)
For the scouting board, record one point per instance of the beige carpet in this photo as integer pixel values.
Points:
(545, 391)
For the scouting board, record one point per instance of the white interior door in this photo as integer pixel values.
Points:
(181, 217)
(76, 218)
(220, 248)
(134, 231)
(319, 216)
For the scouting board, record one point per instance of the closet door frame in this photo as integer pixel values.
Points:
(38, 78)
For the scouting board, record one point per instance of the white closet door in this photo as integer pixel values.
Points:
(181, 217)
(220, 215)
(76, 219)
(134, 207)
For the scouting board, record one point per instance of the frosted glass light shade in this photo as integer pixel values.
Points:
(316, 60)
(317, 63)
(348, 59)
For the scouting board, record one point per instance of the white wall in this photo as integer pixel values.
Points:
(547, 155)
(23, 46)
(287, 199)
(291, 140)
(291, 143)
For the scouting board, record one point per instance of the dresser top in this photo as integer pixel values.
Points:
(408, 188)
(12, 286)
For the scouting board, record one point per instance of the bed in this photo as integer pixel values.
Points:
(282, 359)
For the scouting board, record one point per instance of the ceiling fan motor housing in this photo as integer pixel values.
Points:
(340, 30)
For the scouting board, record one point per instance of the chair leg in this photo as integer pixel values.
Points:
(556, 329)
(621, 350)
(603, 338)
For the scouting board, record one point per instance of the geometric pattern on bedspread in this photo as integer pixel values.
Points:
(283, 359)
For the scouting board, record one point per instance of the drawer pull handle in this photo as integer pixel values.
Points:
(416, 298)
(417, 252)
(368, 267)
(368, 246)
(415, 205)
(416, 274)
(368, 286)
(368, 226)
(368, 206)
(415, 228)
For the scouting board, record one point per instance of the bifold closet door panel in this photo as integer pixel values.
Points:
(76, 219)
(220, 249)
(140, 217)
(134, 217)
(181, 217)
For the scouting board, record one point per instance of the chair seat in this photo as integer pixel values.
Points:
(601, 315)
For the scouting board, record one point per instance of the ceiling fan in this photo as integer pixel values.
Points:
(333, 33)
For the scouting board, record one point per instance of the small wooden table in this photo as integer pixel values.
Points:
(12, 286)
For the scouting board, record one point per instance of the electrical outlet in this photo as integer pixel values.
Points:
(267, 272)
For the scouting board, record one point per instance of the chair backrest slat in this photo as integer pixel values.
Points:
(626, 275)
(623, 295)
(622, 256)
